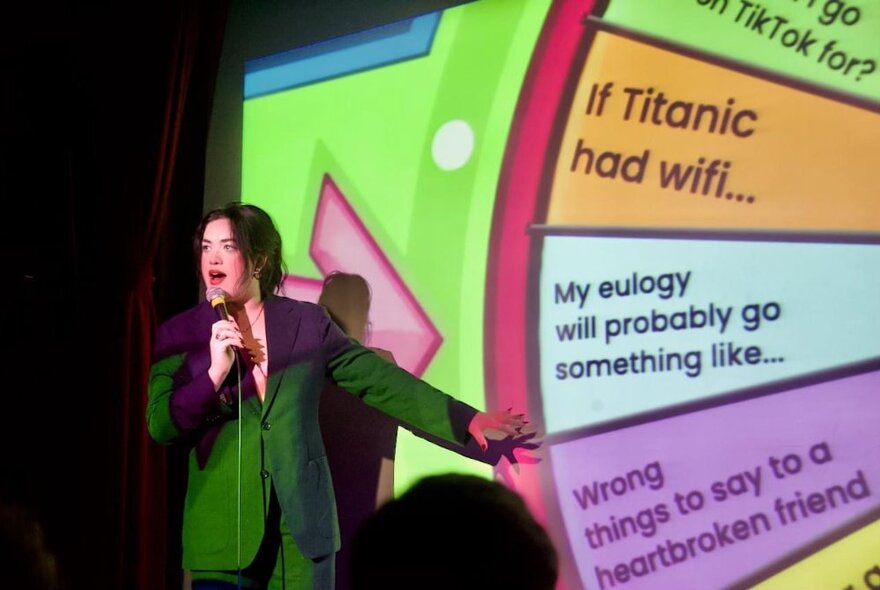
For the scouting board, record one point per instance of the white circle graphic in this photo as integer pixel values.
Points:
(453, 145)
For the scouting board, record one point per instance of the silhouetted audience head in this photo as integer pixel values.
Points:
(454, 531)
(29, 563)
(346, 297)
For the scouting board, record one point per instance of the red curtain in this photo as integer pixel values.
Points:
(144, 533)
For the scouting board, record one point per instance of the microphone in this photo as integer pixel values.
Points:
(217, 297)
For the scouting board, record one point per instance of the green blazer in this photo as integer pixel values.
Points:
(281, 444)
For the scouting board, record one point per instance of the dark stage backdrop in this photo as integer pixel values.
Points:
(104, 111)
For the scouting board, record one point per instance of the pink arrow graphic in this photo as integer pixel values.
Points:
(341, 242)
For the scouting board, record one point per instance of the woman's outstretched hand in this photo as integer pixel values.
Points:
(495, 425)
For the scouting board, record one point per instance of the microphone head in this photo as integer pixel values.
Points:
(216, 296)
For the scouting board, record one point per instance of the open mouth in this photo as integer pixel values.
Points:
(215, 277)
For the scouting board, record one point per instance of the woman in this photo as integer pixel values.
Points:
(243, 392)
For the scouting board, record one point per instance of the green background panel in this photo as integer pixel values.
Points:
(373, 133)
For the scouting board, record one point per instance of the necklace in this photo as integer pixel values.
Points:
(252, 322)
(253, 346)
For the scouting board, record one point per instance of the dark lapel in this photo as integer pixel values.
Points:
(282, 329)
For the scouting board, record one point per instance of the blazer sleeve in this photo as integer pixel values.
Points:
(181, 396)
(471, 450)
(393, 390)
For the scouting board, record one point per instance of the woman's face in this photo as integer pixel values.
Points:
(222, 263)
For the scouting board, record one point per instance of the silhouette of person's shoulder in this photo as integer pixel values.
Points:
(31, 565)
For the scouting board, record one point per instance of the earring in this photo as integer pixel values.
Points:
(257, 273)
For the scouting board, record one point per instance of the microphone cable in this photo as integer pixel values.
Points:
(239, 503)
(217, 298)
